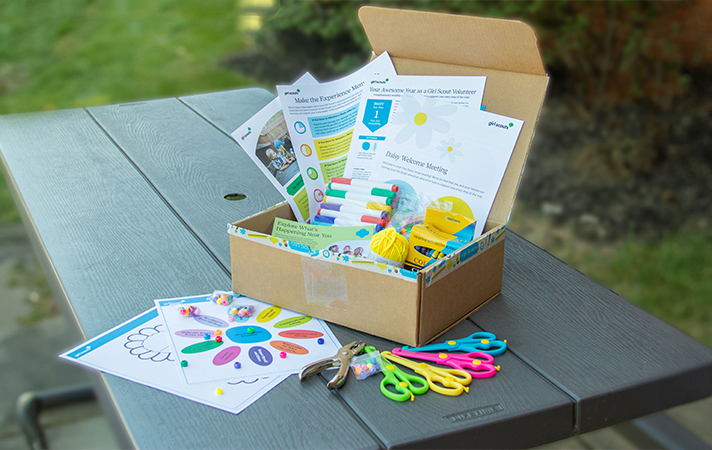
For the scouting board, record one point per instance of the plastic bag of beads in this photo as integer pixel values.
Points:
(222, 297)
(365, 365)
(240, 313)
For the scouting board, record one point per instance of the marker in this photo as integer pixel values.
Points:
(353, 217)
(359, 197)
(362, 190)
(369, 205)
(316, 221)
(371, 184)
(356, 210)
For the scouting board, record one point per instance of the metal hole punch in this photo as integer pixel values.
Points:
(340, 359)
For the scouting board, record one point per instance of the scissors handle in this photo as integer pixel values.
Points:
(404, 384)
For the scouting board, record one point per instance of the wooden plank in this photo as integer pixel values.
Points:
(191, 164)
(225, 110)
(517, 398)
(111, 244)
(618, 361)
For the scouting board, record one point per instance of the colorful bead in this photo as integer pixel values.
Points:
(218, 338)
(206, 336)
(320, 341)
(237, 365)
(230, 319)
(282, 355)
(250, 330)
(219, 391)
(218, 332)
(184, 363)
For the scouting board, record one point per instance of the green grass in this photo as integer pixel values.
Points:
(670, 278)
(76, 53)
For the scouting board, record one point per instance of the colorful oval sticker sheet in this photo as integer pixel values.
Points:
(272, 341)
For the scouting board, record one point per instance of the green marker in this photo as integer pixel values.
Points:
(359, 197)
(361, 190)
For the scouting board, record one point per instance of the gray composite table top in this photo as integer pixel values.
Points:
(125, 203)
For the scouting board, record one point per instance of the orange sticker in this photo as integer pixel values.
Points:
(289, 347)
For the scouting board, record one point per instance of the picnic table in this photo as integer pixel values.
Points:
(127, 203)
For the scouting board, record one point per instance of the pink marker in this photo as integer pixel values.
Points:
(353, 217)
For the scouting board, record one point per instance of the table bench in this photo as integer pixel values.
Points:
(126, 204)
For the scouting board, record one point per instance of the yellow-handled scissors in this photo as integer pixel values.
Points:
(443, 381)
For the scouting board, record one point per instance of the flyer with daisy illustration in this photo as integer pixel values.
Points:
(442, 151)
(139, 350)
(380, 103)
(219, 346)
(266, 140)
(321, 120)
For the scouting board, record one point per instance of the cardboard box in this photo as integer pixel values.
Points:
(399, 305)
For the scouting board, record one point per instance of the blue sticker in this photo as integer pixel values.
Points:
(242, 335)
(376, 114)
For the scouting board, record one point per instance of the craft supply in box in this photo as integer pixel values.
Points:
(365, 365)
(451, 223)
(428, 244)
(389, 247)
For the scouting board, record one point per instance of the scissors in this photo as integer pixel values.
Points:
(477, 364)
(449, 381)
(477, 342)
(401, 382)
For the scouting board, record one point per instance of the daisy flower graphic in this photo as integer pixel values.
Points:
(421, 120)
(149, 343)
(449, 148)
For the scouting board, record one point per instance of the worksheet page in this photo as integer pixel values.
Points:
(440, 151)
(139, 350)
(380, 103)
(321, 120)
(271, 341)
(267, 141)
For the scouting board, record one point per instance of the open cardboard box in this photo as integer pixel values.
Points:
(407, 307)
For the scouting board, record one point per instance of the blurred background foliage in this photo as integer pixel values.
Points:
(619, 179)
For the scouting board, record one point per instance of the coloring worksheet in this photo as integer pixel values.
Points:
(140, 351)
(266, 140)
(448, 152)
(380, 103)
(321, 118)
(272, 341)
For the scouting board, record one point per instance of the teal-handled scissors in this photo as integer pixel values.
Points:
(402, 382)
(481, 341)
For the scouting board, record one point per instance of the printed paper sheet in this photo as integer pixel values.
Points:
(321, 119)
(140, 351)
(255, 342)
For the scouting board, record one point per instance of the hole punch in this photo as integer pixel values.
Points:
(235, 197)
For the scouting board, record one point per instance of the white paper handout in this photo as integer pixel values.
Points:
(321, 121)
(436, 150)
(139, 350)
(272, 341)
(380, 102)
(266, 140)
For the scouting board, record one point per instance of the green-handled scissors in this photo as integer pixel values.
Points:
(402, 382)
(443, 381)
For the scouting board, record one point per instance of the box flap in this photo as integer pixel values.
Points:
(499, 44)
(422, 43)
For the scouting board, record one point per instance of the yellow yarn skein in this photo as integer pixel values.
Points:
(389, 247)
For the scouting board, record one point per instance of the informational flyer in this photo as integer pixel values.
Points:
(139, 350)
(437, 150)
(272, 341)
(354, 241)
(266, 140)
(380, 102)
(321, 121)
